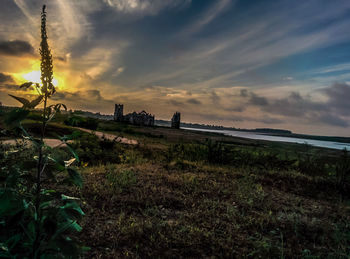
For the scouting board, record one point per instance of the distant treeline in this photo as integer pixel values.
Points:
(216, 127)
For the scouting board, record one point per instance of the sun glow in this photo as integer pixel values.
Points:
(34, 76)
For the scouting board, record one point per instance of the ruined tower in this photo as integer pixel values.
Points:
(175, 120)
(118, 112)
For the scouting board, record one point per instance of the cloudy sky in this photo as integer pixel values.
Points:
(277, 64)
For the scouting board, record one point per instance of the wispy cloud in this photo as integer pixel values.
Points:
(205, 18)
(144, 7)
(251, 62)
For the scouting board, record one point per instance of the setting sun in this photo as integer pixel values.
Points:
(34, 76)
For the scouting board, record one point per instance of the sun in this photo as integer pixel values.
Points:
(34, 76)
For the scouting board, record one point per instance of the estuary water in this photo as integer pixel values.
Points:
(261, 136)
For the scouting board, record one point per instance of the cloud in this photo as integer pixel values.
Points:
(87, 99)
(144, 7)
(215, 98)
(230, 117)
(338, 98)
(12, 87)
(193, 101)
(213, 11)
(176, 103)
(244, 93)
(118, 72)
(304, 109)
(5, 78)
(16, 48)
(258, 100)
(333, 120)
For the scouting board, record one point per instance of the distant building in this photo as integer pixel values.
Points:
(175, 120)
(142, 118)
(118, 112)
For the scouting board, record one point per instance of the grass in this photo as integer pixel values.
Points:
(209, 211)
(191, 194)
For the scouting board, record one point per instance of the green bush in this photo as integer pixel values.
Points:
(83, 122)
(91, 150)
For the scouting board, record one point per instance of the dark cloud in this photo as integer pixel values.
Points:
(293, 105)
(216, 117)
(194, 101)
(235, 109)
(176, 103)
(244, 93)
(305, 109)
(331, 119)
(215, 98)
(59, 58)
(228, 117)
(258, 100)
(5, 78)
(9, 86)
(339, 96)
(87, 95)
(16, 48)
(88, 100)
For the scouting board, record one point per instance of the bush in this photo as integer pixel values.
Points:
(91, 150)
(83, 122)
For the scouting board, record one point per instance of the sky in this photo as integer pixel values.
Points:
(245, 64)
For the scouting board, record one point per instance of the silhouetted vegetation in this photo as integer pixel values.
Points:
(37, 221)
(83, 122)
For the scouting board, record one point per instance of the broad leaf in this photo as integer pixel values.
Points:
(75, 177)
(73, 152)
(36, 102)
(23, 101)
(26, 85)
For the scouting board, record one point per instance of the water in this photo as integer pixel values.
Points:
(253, 135)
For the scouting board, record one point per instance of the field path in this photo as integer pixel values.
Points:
(56, 142)
(110, 136)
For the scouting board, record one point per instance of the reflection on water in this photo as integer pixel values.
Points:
(253, 135)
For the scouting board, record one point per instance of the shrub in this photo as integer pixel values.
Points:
(38, 222)
(93, 151)
(83, 122)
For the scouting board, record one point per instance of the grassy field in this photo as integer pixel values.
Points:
(190, 194)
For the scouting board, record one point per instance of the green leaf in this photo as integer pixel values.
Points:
(59, 164)
(75, 177)
(45, 192)
(69, 226)
(68, 198)
(10, 203)
(73, 152)
(72, 205)
(30, 230)
(13, 241)
(45, 204)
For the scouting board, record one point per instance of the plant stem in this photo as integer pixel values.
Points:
(36, 244)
